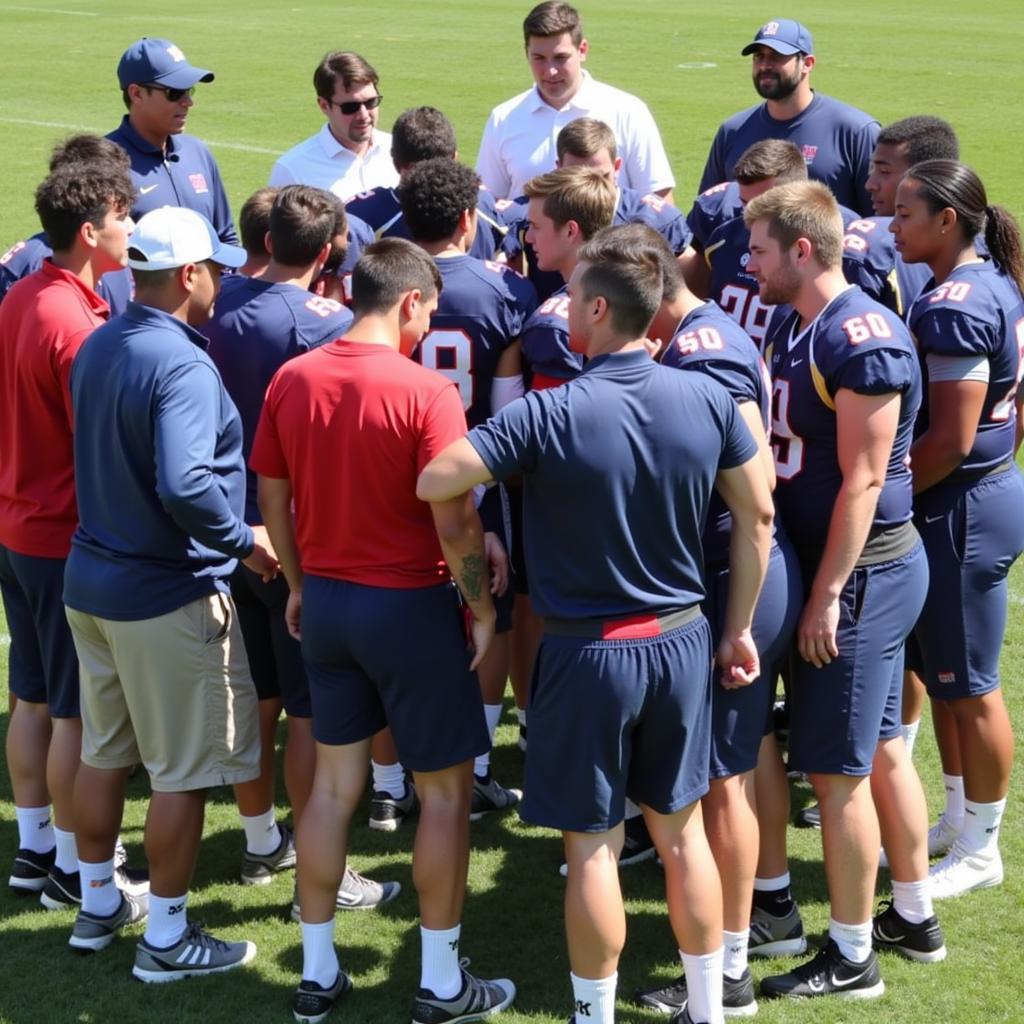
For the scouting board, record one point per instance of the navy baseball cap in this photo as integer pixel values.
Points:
(783, 36)
(171, 236)
(161, 62)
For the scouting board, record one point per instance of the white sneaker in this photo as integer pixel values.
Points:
(941, 836)
(961, 871)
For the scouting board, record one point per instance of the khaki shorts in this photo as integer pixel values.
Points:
(172, 692)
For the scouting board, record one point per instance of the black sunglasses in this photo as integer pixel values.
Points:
(173, 95)
(352, 106)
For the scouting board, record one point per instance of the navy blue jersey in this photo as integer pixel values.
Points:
(710, 342)
(857, 344)
(976, 311)
(26, 257)
(481, 310)
(360, 235)
(631, 207)
(837, 142)
(712, 207)
(256, 327)
(184, 173)
(727, 252)
(382, 210)
(549, 360)
(871, 261)
(616, 483)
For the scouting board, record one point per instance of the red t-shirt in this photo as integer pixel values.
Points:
(44, 319)
(351, 425)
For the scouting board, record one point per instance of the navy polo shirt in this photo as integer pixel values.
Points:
(159, 474)
(618, 466)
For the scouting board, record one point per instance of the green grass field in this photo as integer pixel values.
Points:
(58, 75)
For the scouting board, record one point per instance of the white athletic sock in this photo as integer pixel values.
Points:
(632, 809)
(482, 765)
(981, 826)
(262, 835)
(67, 851)
(913, 900)
(910, 730)
(167, 921)
(704, 986)
(319, 960)
(389, 778)
(772, 884)
(734, 962)
(100, 896)
(439, 961)
(35, 829)
(853, 940)
(594, 999)
(954, 812)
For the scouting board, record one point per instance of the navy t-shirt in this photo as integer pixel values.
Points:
(618, 468)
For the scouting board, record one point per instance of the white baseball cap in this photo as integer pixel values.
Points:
(172, 236)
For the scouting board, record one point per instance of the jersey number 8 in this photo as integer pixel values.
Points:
(450, 351)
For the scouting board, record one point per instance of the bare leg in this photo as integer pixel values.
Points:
(28, 742)
(257, 796)
(595, 920)
(299, 764)
(730, 818)
(99, 807)
(174, 826)
(902, 811)
(772, 801)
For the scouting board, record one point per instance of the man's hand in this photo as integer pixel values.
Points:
(497, 559)
(816, 633)
(262, 561)
(737, 660)
(481, 635)
(293, 613)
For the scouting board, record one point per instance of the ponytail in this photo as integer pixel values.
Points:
(1002, 236)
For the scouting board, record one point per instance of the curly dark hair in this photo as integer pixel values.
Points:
(434, 194)
(81, 193)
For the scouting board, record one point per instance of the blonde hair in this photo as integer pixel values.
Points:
(801, 209)
(580, 194)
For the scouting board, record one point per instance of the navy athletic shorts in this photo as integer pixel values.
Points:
(496, 517)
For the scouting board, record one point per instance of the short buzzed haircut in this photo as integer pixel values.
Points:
(254, 220)
(302, 221)
(926, 138)
(421, 133)
(434, 194)
(771, 158)
(624, 270)
(668, 262)
(580, 194)
(343, 65)
(801, 209)
(387, 270)
(81, 193)
(86, 148)
(552, 19)
(585, 137)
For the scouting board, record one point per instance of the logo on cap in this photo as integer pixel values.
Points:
(198, 183)
(175, 53)
(769, 29)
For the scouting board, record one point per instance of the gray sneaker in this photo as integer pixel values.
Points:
(776, 936)
(476, 1000)
(92, 933)
(490, 795)
(356, 892)
(259, 869)
(196, 952)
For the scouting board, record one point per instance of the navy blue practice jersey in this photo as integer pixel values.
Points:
(713, 207)
(546, 353)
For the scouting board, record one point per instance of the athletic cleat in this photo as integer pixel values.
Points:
(92, 933)
(941, 837)
(490, 795)
(962, 871)
(827, 973)
(737, 996)
(921, 942)
(637, 847)
(356, 893)
(259, 869)
(30, 870)
(196, 953)
(63, 889)
(477, 1000)
(776, 936)
(312, 1003)
(808, 817)
(388, 812)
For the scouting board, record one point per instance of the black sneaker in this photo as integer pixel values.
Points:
(388, 812)
(30, 870)
(921, 942)
(259, 869)
(312, 1003)
(737, 996)
(63, 889)
(828, 973)
(773, 935)
(490, 795)
(808, 817)
(476, 1000)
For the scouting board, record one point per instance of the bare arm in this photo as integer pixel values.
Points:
(696, 272)
(866, 428)
(666, 194)
(274, 496)
(752, 417)
(455, 471)
(954, 408)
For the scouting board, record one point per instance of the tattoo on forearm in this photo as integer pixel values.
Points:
(473, 576)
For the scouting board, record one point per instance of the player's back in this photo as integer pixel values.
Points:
(714, 206)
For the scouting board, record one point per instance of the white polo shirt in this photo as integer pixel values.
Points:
(519, 139)
(324, 162)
